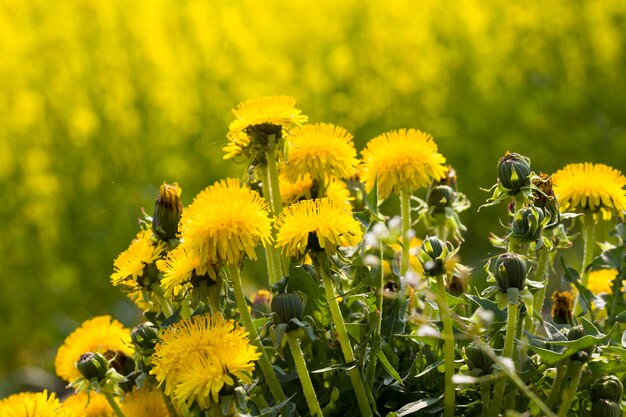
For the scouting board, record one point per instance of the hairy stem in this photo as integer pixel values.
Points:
(116, 408)
(589, 230)
(511, 327)
(574, 370)
(448, 353)
(555, 391)
(303, 374)
(405, 213)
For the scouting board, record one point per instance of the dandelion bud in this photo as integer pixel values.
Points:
(167, 212)
(575, 333)
(440, 197)
(478, 357)
(92, 365)
(261, 303)
(604, 408)
(514, 171)
(432, 255)
(511, 272)
(456, 285)
(608, 388)
(145, 337)
(288, 306)
(528, 223)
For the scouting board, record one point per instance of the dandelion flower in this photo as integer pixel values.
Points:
(292, 191)
(225, 222)
(196, 358)
(324, 222)
(100, 334)
(600, 281)
(320, 150)
(405, 159)
(268, 114)
(144, 403)
(594, 187)
(92, 405)
(179, 268)
(129, 265)
(337, 190)
(29, 404)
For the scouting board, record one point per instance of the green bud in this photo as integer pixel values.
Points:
(511, 272)
(575, 333)
(604, 408)
(440, 197)
(608, 388)
(92, 365)
(145, 337)
(167, 212)
(432, 254)
(528, 223)
(514, 172)
(288, 306)
(478, 357)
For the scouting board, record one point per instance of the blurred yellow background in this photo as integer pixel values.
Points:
(101, 101)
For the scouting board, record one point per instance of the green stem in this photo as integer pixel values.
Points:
(116, 408)
(379, 319)
(540, 295)
(509, 339)
(165, 306)
(574, 370)
(485, 393)
(442, 232)
(168, 403)
(272, 256)
(405, 213)
(272, 174)
(303, 374)
(589, 230)
(555, 391)
(448, 354)
(264, 360)
(344, 341)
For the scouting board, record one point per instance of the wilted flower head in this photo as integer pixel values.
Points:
(30, 404)
(320, 150)
(562, 307)
(593, 187)
(321, 224)
(402, 160)
(197, 357)
(100, 334)
(224, 223)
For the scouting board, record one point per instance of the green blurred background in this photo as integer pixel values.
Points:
(103, 100)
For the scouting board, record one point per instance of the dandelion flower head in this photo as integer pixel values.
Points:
(594, 187)
(225, 222)
(292, 191)
(328, 223)
(405, 159)
(92, 405)
(31, 404)
(179, 268)
(129, 265)
(144, 403)
(320, 150)
(197, 357)
(100, 334)
(600, 281)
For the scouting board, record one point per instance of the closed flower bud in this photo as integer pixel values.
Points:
(288, 306)
(92, 365)
(456, 285)
(145, 337)
(478, 357)
(440, 197)
(432, 255)
(511, 272)
(608, 388)
(167, 212)
(514, 172)
(528, 223)
(575, 333)
(604, 408)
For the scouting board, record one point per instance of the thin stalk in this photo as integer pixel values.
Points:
(344, 340)
(116, 408)
(272, 173)
(405, 214)
(574, 370)
(448, 352)
(168, 403)
(540, 295)
(589, 230)
(264, 360)
(555, 391)
(165, 306)
(509, 339)
(272, 256)
(303, 374)
(485, 393)
(379, 319)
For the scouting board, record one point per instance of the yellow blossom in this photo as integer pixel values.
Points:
(600, 281)
(30, 404)
(94, 405)
(145, 403)
(129, 265)
(178, 270)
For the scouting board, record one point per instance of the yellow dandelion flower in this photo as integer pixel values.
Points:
(329, 223)
(129, 265)
(276, 111)
(225, 222)
(594, 187)
(600, 281)
(337, 190)
(100, 334)
(198, 356)
(178, 269)
(405, 159)
(320, 150)
(31, 404)
(292, 191)
(92, 405)
(144, 403)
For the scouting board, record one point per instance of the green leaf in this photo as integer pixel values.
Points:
(416, 406)
(371, 200)
(342, 367)
(498, 314)
(316, 305)
(387, 365)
